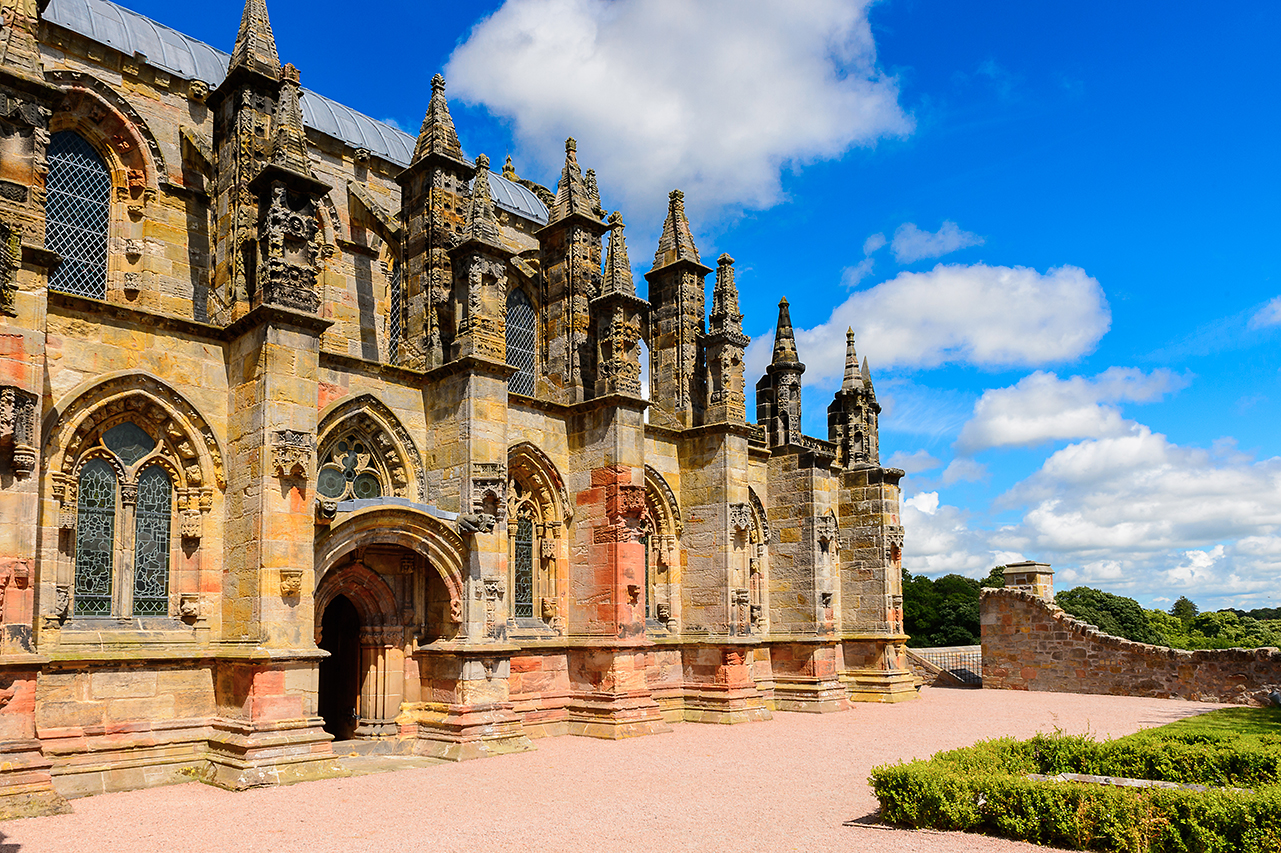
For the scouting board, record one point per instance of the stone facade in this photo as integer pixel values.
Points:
(1030, 644)
(310, 429)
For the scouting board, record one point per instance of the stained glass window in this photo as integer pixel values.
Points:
(347, 472)
(95, 539)
(128, 441)
(523, 595)
(77, 209)
(151, 543)
(521, 342)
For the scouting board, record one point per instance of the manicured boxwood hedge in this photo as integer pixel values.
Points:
(985, 789)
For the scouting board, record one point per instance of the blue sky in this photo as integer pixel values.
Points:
(1069, 307)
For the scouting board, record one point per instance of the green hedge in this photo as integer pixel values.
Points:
(985, 789)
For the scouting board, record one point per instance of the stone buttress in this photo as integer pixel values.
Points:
(26, 104)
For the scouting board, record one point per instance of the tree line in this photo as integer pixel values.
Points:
(945, 612)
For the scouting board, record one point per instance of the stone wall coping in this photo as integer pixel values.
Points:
(1084, 629)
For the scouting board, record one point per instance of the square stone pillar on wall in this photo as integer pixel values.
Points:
(873, 665)
(27, 104)
(609, 696)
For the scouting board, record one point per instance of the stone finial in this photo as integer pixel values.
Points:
(572, 194)
(289, 147)
(437, 134)
(677, 241)
(593, 194)
(867, 375)
(481, 222)
(725, 317)
(618, 269)
(509, 171)
(255, 44)
(851, 363)
(784, 338)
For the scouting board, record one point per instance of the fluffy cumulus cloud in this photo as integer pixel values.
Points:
(1135, 514)
(716, 97)
(911, 244)
(1042, 407)
(988, 316)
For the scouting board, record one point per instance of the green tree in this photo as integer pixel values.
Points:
(995, 579)
(1184, 609)
(1112, 614)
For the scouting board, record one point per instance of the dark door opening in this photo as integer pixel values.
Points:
(339, 687)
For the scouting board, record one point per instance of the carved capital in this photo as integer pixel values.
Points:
(290, 583)
(18, 429)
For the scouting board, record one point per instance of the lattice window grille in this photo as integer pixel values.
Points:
(395, 315)
(77, 212)
(521, 342)
(95, 539)
(151, 543)
(523, 594)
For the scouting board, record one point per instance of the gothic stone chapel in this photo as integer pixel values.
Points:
(314, 430)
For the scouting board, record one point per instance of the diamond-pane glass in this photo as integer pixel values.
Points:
(521, 341)
(79, 199)
(151, 548)
(395, 323)
(95, 539)
(523, 597)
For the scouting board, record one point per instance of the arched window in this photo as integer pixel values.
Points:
(95, 539)
(151, 543)
(77, 209)
(395, 313)
(124, 521)
(522, 340)
(350, 470)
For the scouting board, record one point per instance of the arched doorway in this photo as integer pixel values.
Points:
(339, 690)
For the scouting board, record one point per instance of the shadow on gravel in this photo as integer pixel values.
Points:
(6, 847)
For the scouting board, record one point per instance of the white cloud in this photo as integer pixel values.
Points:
(939, 540)
(963, 471)
(988, 316)
(873, 244)
(913, 463)
(1042, 407)
(1268, 315)
(715, 97)
(912, 244)
(853, 275)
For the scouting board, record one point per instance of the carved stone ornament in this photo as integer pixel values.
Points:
(474, 523)
(547, 549)
(291, 453)
(62, 601)
(290, 249)
(740, 517)
(489, 489)
(18, 429)
(198, 90)
(326, 510)
(494, 589)
(825, 527)
(290, 583)
(10, 262)
(189, 606)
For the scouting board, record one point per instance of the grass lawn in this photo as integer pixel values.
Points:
(1257, 725)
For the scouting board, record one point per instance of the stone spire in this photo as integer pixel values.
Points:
(778, 394)
(572, 193)
(851, 362)
(289, 148)
(481, 223)
(437, 135)
(618, 269)
(725, 317)
(852, 419)
(255, 48)
(784, 339)
(677, 242)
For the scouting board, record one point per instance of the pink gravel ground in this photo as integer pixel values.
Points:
(788, 784)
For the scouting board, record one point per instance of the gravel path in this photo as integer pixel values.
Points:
(788, 784)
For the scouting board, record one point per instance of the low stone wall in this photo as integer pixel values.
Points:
(1031, 644)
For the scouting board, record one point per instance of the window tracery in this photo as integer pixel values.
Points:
(351, 470)
(536, 504)
(124, 515)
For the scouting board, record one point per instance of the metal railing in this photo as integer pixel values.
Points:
(963, 662)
